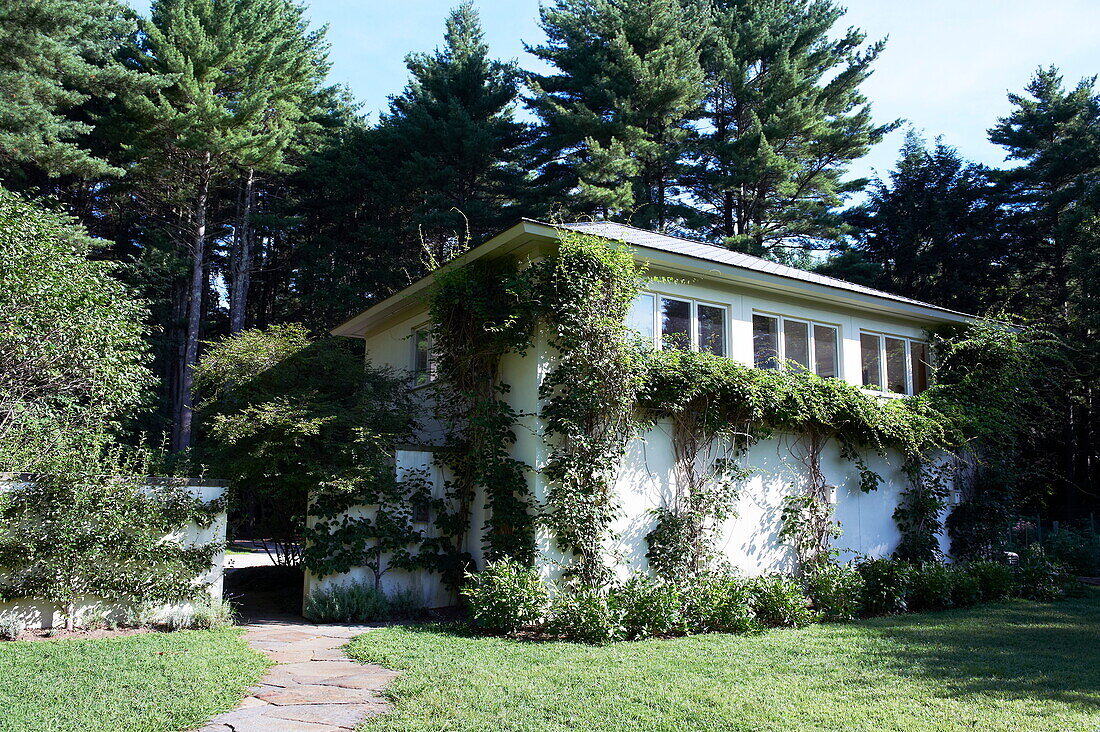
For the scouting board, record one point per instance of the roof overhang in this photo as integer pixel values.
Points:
(519, 237)
(527, 235)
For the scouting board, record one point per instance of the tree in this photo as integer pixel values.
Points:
(87, 526)
(72, 347)
(782, 119)
(1053, 199)
(935, 231)
(55, 56)
(242, 74)
(292, 420)
(452, 139)
(615, 116)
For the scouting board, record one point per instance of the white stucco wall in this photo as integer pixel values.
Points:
(36, 614)
(749, 541)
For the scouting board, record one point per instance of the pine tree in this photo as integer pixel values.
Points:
(55, 57)
(1053, 197)
(456, 147)
(243, 72)
(935, 230)
(615, 115)
(782, 120)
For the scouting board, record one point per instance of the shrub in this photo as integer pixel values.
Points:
(1077, 551)
(585, 616)
(505, 597)
(98, 620)
(211, 613)
(885, 586)
(1039, 578)
(965, 588)
(996, 581)
(718, 601)
(406, 604)
(351, 602)
(10, 626)
(930, 587)
(778, 602)
(836, 591)
(647, 607)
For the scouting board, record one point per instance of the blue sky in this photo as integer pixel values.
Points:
(947, 66)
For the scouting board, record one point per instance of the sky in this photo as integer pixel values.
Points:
(947, 67)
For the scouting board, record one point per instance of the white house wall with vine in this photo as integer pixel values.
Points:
(754, 311)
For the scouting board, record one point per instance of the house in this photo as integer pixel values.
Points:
(731, 304)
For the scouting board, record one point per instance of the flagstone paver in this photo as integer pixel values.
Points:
(313, 687)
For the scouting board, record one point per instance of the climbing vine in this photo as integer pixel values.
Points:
(602, 388)
(589, 398)
(479, 313)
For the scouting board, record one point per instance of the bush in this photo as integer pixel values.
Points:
(585, 616)
(98, 620)
(351, 602)
(10, 626)
(505, 597)
(836, 591)
(210, 613)
(965, 588)
(885, 586)
(930, 587)
(996, 581)
(647, 607)
(1077, 551)
(778, 602)
(718, 601)
(1039, 578)
(406, 604)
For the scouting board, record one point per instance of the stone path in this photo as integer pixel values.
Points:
(313, 687)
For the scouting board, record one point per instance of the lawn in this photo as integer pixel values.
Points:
(1017, 666)
(149, 682)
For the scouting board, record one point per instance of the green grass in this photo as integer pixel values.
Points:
(151, 681)
(1018, 666)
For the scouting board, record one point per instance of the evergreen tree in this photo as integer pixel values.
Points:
(935, 231)
(782, 119)
(243, 72)
(456, 147)
(55, 57)
(1053, 198)
(615, 115)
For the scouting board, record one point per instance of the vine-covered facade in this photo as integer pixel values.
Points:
(596, 399)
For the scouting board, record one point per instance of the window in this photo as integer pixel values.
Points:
(797, 343)
(640, 317)
(671, 322)
(893, 363)
(423, 365)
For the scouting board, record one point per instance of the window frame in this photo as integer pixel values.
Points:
(431, 368)
(781, 342)
(882, 335)
(694, 303)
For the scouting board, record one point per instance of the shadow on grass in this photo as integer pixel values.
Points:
(1022, 650)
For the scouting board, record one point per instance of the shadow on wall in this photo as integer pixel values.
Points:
(751, 541)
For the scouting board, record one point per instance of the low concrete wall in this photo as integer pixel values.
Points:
(36, 614)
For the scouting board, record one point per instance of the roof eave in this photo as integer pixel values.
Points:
(508, 240)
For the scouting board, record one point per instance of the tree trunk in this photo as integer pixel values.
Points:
(194, 314)
(242, 259)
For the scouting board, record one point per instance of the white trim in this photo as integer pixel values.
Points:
(883, 375)
(693, 318)
(781, 340)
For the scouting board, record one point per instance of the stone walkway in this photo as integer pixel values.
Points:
(313, 687)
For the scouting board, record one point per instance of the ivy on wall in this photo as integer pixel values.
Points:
(479, 313)
(604, 388)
